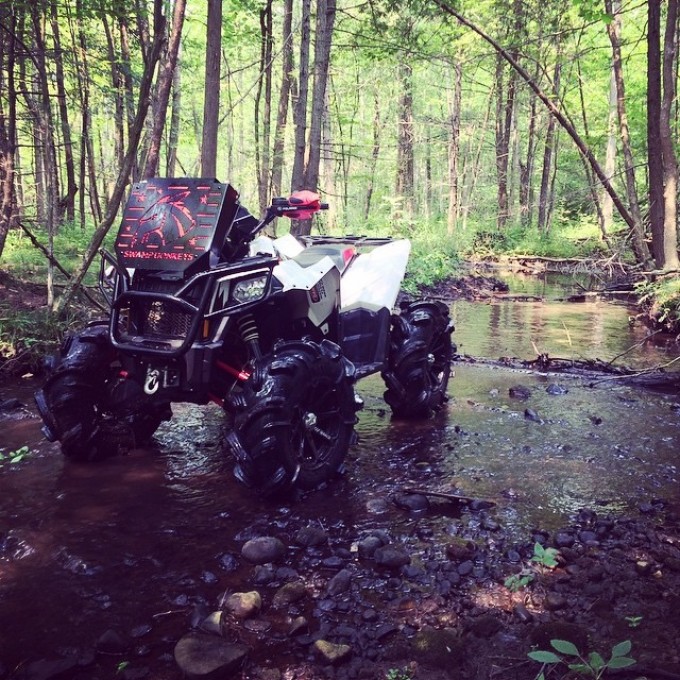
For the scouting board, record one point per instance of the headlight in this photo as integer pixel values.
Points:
(248, 290)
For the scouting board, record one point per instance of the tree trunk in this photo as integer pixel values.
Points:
(375, 152)
(175, 119)
(165, 76)
(43, 113)
(325, 20)
(284, 98)
(211, 102)
(655, 163)
(263, 122)
(670, 163)
(454, 147)
(545, 196)
(638, 244)
(300, 93)
(67, 201)
(504, 113)
(405, 136)
(117, 85)
(8, 121)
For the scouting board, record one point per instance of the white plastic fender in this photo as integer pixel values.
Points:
(293, 276)
(373, 279)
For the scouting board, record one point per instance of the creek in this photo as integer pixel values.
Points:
(144, 544)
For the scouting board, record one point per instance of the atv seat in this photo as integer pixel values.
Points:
(341, 254)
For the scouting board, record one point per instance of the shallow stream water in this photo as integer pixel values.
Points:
(141, 544)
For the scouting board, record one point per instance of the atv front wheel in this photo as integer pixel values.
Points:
(419, 361)
(73, 402)
(297, 416)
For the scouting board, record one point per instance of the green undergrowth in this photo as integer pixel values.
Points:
(28, 335)
(661, 301)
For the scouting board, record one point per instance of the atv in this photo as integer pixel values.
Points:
(203, 308)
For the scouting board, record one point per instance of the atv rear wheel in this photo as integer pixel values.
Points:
(73, 402)
(419, 361)
(297, 418)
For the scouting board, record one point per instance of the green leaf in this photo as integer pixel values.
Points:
(621, 649)
(17, 459)
(596, 661)
(621, 662)
(581, 668)
(544, 657)
(565, 647)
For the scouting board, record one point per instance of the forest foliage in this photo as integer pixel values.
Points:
(509, 124)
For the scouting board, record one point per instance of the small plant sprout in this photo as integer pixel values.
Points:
(633, 621)
(14, 457)
(545, 557)
(594, 666)
(398, 674)
(516, 582)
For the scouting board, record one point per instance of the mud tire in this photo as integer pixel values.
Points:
(73, 402)
(419, 361)
(297, 417)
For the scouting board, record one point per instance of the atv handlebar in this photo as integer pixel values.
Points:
(300, 205)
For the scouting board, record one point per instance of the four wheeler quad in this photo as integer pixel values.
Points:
(275, 331)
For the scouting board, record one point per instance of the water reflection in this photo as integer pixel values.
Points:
(600, 329)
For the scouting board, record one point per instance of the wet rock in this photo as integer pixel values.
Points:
(243, 605)
(331, 653)
(289, 594)
(340, 582)
(555, 601)
(208, 657)
(369, 615)
(459, 551)
(140, 631)
(367, 547)
(564, 539)
(523, 614)
(208, 577)
(556, 389)
(334, 562)
(391, 557)
(48, 669)
(228, 562)
(530, 414)
(263, 550)
(413, 502)
(465, 568)
(111, 642)
(519, 392)
(490, 524)
(212, 623)
(298, 625)
(263, 574)
(308, 537)
(10, 404)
